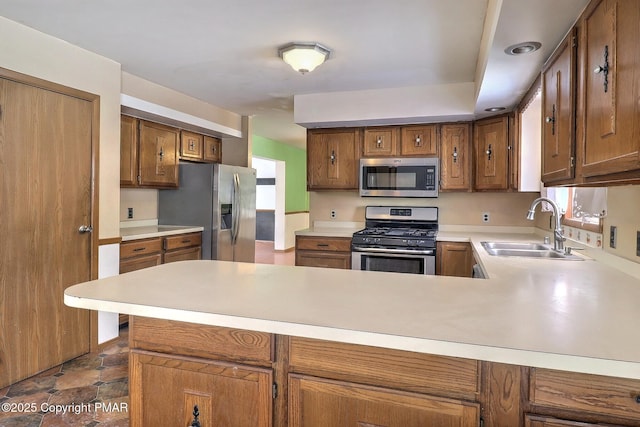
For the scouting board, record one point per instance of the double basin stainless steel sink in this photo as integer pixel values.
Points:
(526, 250)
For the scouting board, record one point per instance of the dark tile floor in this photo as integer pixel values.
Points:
(91, 390)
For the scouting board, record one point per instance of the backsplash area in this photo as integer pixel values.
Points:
(504, 209)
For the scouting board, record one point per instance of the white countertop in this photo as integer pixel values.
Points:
(331, 229)
(570, 315)
(149, 231)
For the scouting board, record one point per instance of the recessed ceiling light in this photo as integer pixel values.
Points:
(522, 48)
(494, 109)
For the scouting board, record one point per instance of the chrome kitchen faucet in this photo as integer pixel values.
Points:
(558, 238)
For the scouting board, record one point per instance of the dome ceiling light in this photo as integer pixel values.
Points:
(304, 57)
(522, 48)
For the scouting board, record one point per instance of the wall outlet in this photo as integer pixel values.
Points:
(485, 217)
(129, 213)
(333, 214)
(613, 235)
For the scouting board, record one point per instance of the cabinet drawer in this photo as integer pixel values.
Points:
(183, 255)
(323, 259)
(210, 342)
(182, 241)
(338, 244)
(140, 247)
(416, 372)
(321, 402)
(584, 392)
(138, 263)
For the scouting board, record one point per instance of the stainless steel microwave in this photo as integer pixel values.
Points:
(399, 177)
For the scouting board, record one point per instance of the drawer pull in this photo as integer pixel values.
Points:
(139, 249)
(323, 245)
(186, 241)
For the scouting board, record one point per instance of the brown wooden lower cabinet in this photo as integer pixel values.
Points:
(143, 253)
(246, 379)
(165, 390)
(316, 402)
(327, 252)
(454, 259)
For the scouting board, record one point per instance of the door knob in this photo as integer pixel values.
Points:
(85, 229)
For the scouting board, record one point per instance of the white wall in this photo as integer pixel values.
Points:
(36, 54)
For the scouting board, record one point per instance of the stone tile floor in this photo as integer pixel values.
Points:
(91, 390)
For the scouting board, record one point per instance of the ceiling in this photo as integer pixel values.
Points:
(225, 52)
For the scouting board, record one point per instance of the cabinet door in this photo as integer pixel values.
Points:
(315, 402)
(538, 421)
(191, 145)
(212, 149)
(558, 104)
(419, 141)
(611, 72)
(158, 155)
(380, 142)
(333, 159)
(165, 389)
(183, 255)
(323, 259)
(455, 157)
(491, 145)
(128, 151)
(454, 259)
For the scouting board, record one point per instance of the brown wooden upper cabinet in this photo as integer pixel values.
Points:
(128, 151)
(611, 69)
(491, 153)
(455, 157)
(149, 154)
(200, 148)
(380, 141)
(558, 112)
(405, 141)
(333, 158)
(191, 145)
(212, 149)
(419, 140)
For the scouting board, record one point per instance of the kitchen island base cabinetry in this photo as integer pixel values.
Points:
(225, 394)
(246, 378)
(315, 402)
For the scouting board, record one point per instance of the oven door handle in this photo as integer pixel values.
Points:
(397, 251)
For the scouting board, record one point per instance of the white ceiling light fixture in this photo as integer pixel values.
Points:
(304, 57)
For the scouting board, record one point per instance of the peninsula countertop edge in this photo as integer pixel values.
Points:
(547, 314)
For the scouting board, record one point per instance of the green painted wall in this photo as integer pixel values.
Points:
(296, 195)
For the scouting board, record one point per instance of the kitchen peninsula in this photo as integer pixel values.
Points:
(538, 341)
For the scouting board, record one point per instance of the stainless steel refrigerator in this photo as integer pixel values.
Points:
(220, 198)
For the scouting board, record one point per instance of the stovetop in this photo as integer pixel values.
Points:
(398, 227)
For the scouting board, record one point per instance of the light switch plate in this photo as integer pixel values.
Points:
(613, 236)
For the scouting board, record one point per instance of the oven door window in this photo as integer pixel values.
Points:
(395, 264)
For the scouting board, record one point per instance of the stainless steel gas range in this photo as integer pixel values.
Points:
(399, 239)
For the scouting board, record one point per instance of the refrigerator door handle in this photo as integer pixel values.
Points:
(235, 212)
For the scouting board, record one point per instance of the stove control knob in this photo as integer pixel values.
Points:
(376, 240)
(422, 242)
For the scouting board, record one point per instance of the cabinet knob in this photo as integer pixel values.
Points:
(196, 414)
(489, 152)
(379, 142)
(418, 142)
(604, 69)
(455, 154)
(333, 157)
(638, 398)
(552, 119)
